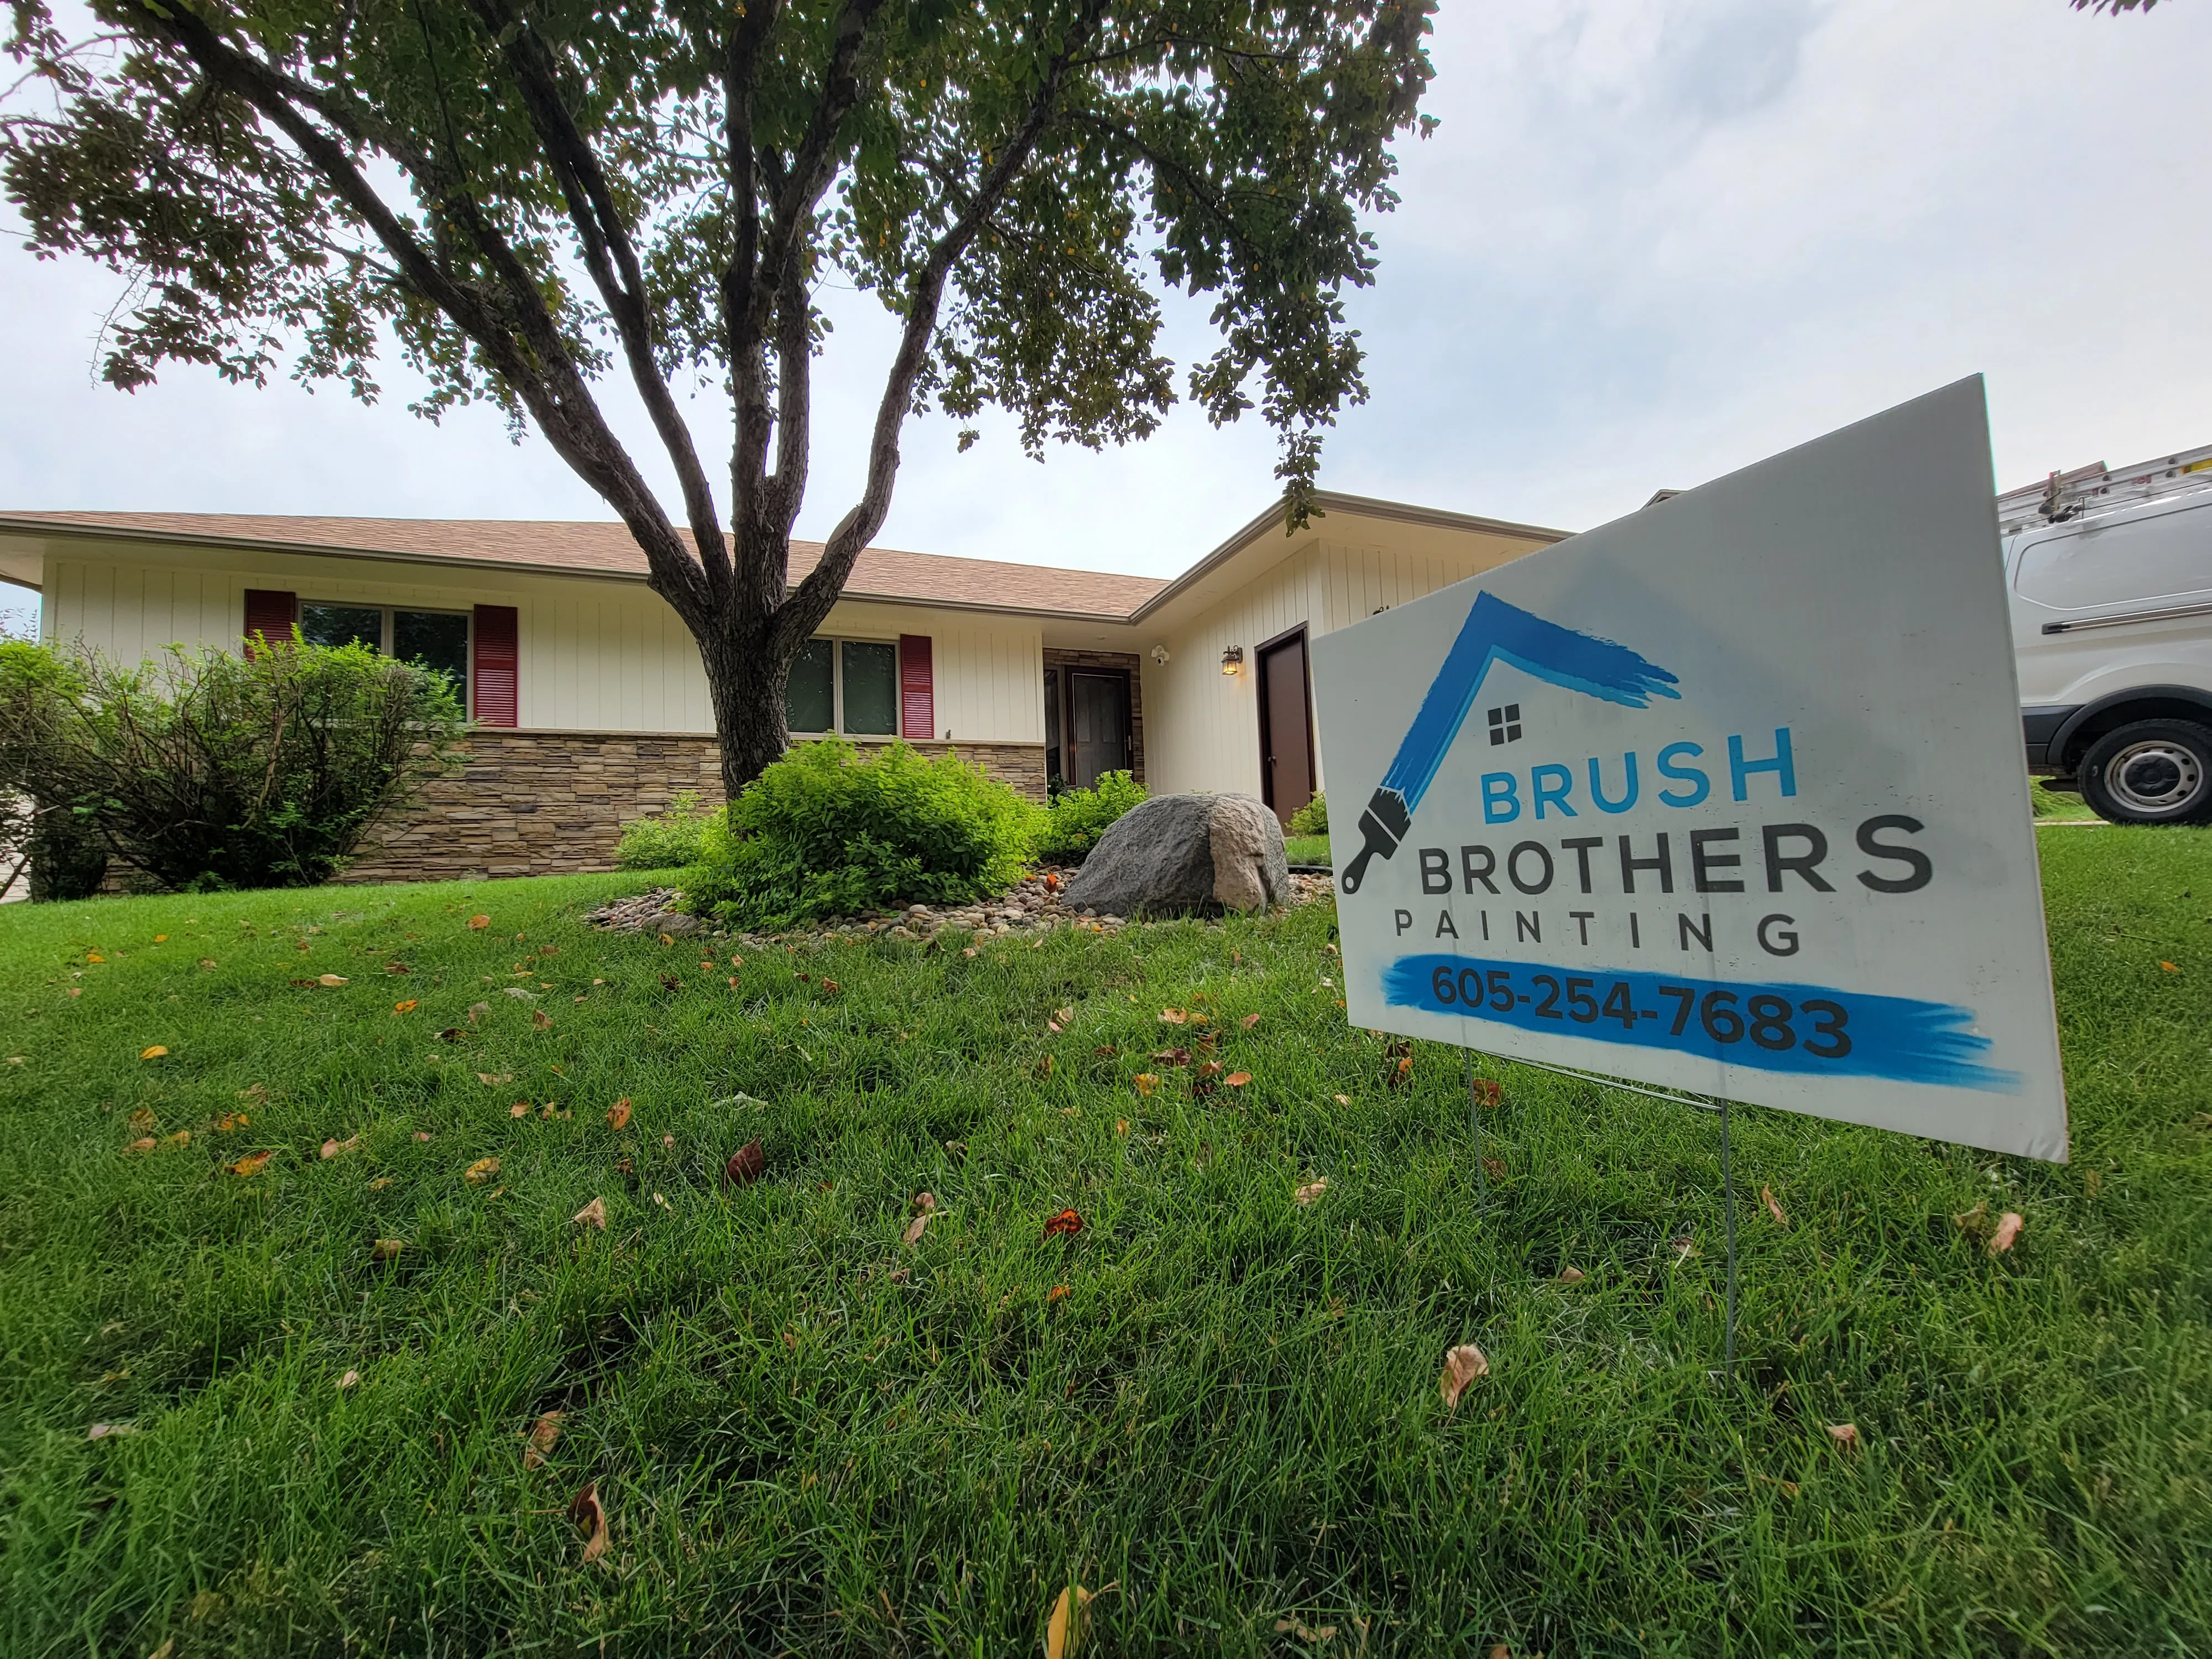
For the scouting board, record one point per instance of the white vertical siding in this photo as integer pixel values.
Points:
(1202, 727)
(597, 656)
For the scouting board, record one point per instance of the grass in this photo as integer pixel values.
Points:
(1307, 850)
(809, 1436)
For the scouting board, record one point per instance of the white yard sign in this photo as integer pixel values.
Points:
(1726, 796)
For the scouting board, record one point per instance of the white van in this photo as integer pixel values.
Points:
(2109, 575)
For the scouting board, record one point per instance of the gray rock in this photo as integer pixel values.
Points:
(1181, 853)
(675, 922)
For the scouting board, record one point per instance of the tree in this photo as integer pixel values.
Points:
(531, 195)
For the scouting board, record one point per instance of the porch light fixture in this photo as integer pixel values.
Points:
(1233, 660)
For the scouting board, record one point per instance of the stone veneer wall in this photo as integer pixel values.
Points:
(553, 803)
(1130, 664)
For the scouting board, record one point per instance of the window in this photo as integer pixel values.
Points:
(435, 639)
(843, 685)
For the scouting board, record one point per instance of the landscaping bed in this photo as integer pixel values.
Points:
(290, 1278)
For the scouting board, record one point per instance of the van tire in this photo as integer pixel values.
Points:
(2150, 771)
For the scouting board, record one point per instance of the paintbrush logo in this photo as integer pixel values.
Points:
(1494, 631)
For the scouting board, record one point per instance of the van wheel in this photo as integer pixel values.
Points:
(2150, 771)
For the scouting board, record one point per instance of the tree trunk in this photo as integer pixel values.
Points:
(746, 689)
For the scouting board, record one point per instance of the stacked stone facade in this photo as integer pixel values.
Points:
(553, 803)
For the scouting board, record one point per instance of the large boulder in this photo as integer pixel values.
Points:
(1178, 853)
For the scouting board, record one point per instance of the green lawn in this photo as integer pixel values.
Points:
(809, 1436)
(1306, 849)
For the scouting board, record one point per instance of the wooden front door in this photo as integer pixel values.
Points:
(1286, 760)
(1097, 725)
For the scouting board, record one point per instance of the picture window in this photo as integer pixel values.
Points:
(843, 685)
(432, 639)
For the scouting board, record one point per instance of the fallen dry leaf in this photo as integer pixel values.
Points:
(385, 1249)
(1121, 1126)
(106, 1430)
(668, 938)
(494, 1079)
(1044, 1065)
(183, 1137)
(332, 980)
(142, 1118)
(593, 1214)
(207, 962)
(2008, 1226)
(1065, 1221)
(1173, 1056)
(476, 1010)
(745, 1164)
(1063, 1632)
(923, 1203)
(405, 1006)
(1461, 1366)
(2169, 967)
(520, 1108)
(1065, 1016)
(618, 1113)
(1311, 1192)
(1172, 1015)
(1304, 1632)
(479, 923)
(1488, 1092)
(349, 1379)
(250, 1165)
(830, 988)
(481, 1171)
(1571, 1275)
(144, 1143)
(1249, 1021)
(541, 1019)
(332, 1148)
(1766, 1196)
(379, 1183)
(914, 1228)
(543, 1433)
(1057, 1293)
(1237, 1080)
(154, 1052)
(1845, 1434)
(1146, 1082)
(1344, 1100)
(228, 1122)
(591, 1518)
(968, 950)
(421, 1136)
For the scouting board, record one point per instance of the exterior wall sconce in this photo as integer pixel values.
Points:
(1233, 660)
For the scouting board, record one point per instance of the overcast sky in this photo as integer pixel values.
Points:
(1653, 241)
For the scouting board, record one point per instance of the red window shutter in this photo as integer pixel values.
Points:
(917, 690)
(270, 614)
(498, 667)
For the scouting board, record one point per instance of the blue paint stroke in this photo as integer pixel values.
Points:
(1894, 1037)
(1496, 631)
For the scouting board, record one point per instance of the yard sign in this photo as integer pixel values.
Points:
(1727, 796)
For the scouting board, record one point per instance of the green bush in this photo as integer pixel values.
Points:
(1077, 817)
(665, 840)
(1312, 818)
(212, 771)
(824, 833)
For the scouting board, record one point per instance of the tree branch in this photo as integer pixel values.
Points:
(545, 377)
(809, 603)
(610, 256)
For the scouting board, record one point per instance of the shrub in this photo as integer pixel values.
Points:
(1312, 818)
(214, 770)
(666, 840)
(824, 833)
(1077, 817)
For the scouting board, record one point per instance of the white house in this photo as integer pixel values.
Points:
(591, 707)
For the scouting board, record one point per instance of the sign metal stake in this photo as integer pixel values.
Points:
(1475, 1115)
(1728, 1204)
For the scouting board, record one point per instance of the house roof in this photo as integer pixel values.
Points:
(598, 548)
(605, 549)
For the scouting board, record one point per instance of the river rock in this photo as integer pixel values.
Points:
(1181, 853)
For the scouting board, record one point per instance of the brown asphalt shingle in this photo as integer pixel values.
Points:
(606, 548)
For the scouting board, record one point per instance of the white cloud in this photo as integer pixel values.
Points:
(1650, 243)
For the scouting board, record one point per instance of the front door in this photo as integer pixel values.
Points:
(1097, 725)
(1286, 763)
